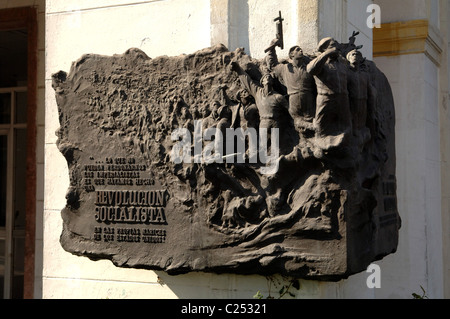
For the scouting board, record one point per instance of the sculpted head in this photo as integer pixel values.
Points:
(327, 43)
(354, 57)
(242, 94)
(267, 82)
(295, 53)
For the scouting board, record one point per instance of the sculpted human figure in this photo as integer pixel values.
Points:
(269, 103)
(245, 114)
(271, 106)
(361, 93)
(213, 118)
(333, 119)
(224, 114)
(300, 85)
(185, 119)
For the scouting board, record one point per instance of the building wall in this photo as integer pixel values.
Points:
(418, 76)
(249, 23)
(40, 129)
(173, 27)
(444, 120)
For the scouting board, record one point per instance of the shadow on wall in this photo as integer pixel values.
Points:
(239, 25)
(199, 285)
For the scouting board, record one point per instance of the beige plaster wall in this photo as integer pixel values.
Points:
(420, 87)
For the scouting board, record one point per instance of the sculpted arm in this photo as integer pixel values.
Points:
(246, 81)
(271, 56)
(315, 66)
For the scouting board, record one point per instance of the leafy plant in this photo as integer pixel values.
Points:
(258, 295)
(417, 296)
(283, 285)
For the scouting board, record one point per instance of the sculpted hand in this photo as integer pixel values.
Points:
(332, 52)
(275, 42)
(354, 34)
(353, 37)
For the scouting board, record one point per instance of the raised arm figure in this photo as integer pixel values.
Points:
(300, 86)
(269, 103)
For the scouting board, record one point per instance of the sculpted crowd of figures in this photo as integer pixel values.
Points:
(327, 96)
(324, 105)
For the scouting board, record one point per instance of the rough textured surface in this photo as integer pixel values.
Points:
(328, 212)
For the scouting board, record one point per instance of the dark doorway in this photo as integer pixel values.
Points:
(17, 151)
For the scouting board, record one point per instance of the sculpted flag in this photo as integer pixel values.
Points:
(317, 201)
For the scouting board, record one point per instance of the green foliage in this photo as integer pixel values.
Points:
(284, 285)
(258, 295)
(417, 296)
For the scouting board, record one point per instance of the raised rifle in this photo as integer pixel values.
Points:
(279, 20)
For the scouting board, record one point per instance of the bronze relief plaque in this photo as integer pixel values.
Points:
(219, 162)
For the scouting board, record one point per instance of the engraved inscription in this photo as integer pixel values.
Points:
(389, 192)
(115, 172)
(130, 235)
(114, 207)
(389, 203)
(146, 207)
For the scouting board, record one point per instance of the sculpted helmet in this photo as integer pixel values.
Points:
(323, 44)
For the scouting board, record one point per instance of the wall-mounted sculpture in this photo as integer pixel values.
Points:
(219, 162)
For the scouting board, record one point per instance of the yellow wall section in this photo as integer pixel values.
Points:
(400, 38)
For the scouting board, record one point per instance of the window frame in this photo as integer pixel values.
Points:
(26, 18)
